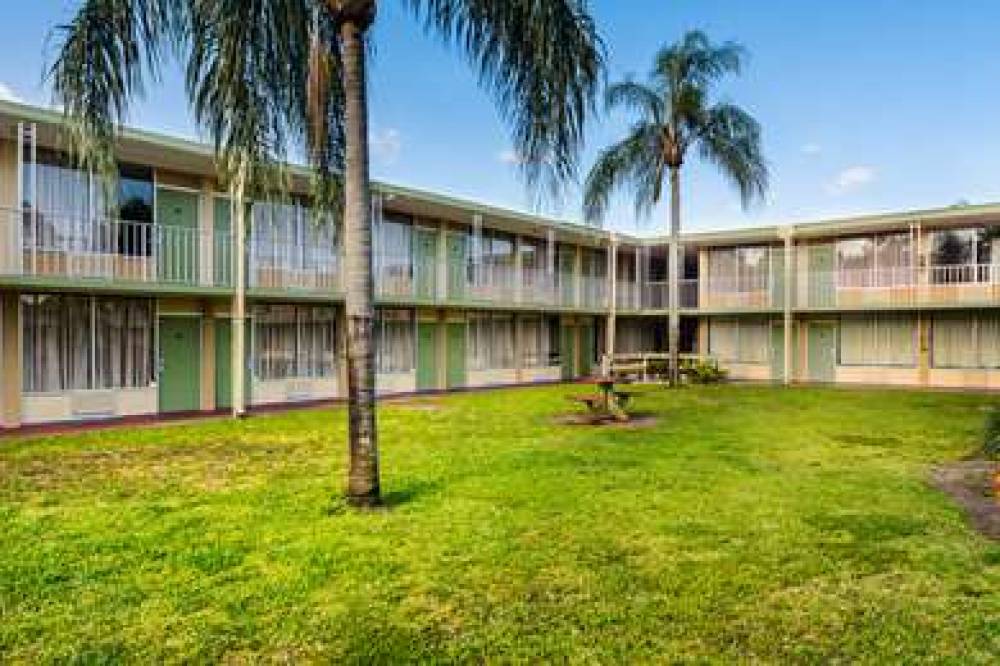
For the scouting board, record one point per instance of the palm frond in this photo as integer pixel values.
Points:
(636, 97)
(695, 60)
(635, 162)
(542, 60)
(105, 54)
(731, 139)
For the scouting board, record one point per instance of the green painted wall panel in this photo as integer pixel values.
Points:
(427, 356)
(456, 355)
(223, 364)
(822, 352)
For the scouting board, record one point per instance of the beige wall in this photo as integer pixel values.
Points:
(877, 375)
(8, 173)
(10, 361)
(80, 405)
(756, 372)
(277, 391)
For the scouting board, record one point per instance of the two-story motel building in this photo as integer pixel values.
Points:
(122, 303)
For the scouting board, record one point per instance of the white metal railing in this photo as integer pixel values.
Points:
(538, 286)
(628, 296)
(905, 285)
(44, 245)
(593, 292)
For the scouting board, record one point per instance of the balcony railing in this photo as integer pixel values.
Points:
(44, 245)
(293, 267)
(969, 284)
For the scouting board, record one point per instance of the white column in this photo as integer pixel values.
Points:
(239, 359)
(609, 345)
(789, 276)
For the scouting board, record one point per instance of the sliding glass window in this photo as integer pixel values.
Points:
(293, 341)
(80, 343)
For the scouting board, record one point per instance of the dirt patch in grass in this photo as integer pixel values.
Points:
(418, 404)
(970, 483)
(636, 421)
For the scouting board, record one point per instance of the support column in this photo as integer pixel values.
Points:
(578, 276)
(208, 369)
(10, 360)
(442, 262)
(518, 271)
(923, 348)
(787, 305)
(611, 328)
(239, 359)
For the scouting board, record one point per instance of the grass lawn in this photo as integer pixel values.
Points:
(749, 523)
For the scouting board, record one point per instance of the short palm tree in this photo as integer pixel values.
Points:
(675, 115)
(264, 76)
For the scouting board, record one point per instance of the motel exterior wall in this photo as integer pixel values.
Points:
(780, 315)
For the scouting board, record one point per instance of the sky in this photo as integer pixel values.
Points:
(867, 106)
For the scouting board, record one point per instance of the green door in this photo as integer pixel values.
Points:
(567, 281)
(426, 356)
(177, 236)
(587, 349)
(425, 263)
(777, 352)
(777, 277)
(822, 291)
(180, 364)
(822, 352)
(222, 247)
(457, 260)
(567, 352)
(223, 364)
(456, 354)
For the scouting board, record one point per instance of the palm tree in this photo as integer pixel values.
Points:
(675, 115)
(265, 75)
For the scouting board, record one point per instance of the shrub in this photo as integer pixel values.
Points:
(991, 434)
(706, 373)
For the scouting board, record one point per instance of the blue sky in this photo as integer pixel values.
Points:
(867, 105)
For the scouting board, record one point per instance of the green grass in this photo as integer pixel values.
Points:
(749, 523)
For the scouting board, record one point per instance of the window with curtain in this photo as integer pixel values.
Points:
(65, 207)
(292, 341)
(81, 343)
(965, 341)
(490, 341)
(289, 235)
(394, 254)
(395, 339)
(878, 340)
(634, 336)
(738, 269)
(535, 337)
(739, 340)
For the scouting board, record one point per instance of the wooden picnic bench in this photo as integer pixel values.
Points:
(608, 401)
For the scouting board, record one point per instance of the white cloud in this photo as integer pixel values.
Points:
(509, 156)
(811, 149)
(386, 145)
(851, 178)
(7, 93)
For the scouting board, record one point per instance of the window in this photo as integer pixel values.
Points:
(80, 343)
(739, 340)
(395, 338)
(65, 208)
(960, 255)
(536, 339)
(289, 235)
(738, 269)
(881, 339)
(394, 255)
(634, 336)
(966, 341)
(879, 260)
(293, 341)
(491, 341)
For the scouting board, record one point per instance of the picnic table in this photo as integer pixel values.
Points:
(609, 401)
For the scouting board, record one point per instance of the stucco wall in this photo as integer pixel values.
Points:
(81, 405)
(278, 391)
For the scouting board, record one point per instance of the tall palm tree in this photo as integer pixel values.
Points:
(675, 115)
(267, 75)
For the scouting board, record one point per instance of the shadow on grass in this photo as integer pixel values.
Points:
(390, 500)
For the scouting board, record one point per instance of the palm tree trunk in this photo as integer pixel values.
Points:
(363, 478)
(674, 324)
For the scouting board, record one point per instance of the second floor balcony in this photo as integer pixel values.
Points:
(77, 250)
